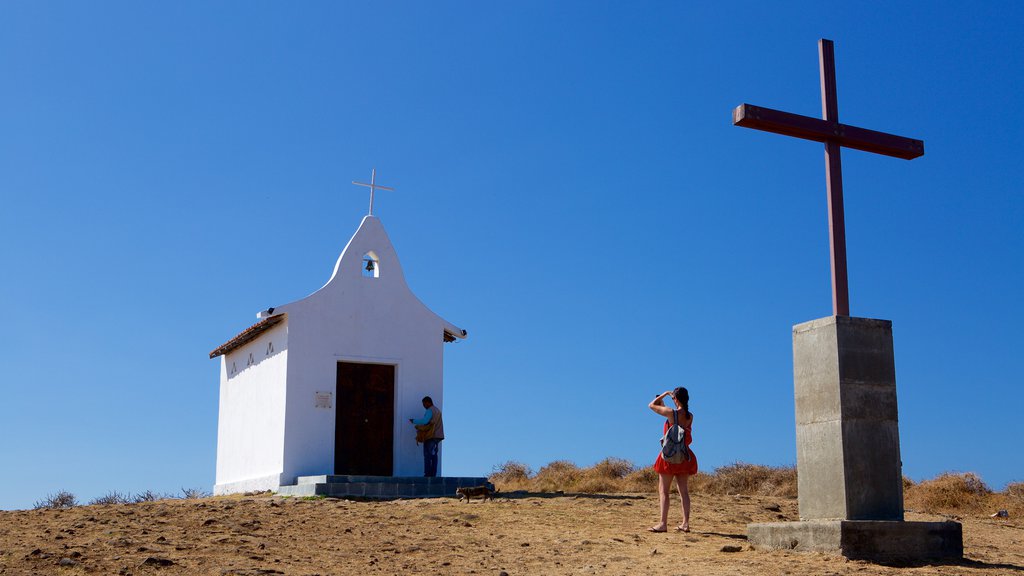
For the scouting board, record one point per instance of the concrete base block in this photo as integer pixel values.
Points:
(863, 539)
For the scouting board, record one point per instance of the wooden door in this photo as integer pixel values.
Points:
(365, 419)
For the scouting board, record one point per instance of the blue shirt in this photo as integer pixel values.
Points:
(426, 418)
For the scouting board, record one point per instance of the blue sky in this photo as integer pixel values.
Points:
(569, 189)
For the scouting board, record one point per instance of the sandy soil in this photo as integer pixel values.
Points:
(519, 534)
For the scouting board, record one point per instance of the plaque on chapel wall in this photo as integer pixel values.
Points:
(323, 399)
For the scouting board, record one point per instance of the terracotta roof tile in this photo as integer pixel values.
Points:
(247, 335)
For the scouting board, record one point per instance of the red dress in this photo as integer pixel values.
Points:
(688, 467)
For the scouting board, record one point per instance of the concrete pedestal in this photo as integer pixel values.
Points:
(849, 473)
(847, 434)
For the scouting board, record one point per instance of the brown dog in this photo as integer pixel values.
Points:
(467, 492)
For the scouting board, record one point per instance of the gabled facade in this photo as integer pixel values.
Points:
(325, 385)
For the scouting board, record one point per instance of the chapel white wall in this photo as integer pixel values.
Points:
(251, 420)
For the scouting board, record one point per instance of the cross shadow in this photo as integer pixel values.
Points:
(525, 494)
(721, 534)
(965, 562)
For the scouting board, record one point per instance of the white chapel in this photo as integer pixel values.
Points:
(324, 385)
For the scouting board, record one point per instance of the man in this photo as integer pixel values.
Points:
(435, 433)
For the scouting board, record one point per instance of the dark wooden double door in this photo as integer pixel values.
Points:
(365, 419)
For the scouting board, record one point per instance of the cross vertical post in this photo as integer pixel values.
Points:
(373, 186)
(834, 186)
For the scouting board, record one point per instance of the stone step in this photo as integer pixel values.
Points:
(380, 486)
(340, 479)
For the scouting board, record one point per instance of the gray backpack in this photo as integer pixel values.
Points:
(673, 443)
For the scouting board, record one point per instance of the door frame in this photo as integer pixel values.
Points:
(396, 401)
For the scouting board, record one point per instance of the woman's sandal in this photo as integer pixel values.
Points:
(680, 528)
(654, 529)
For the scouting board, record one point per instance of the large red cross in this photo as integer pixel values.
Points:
(834, 135)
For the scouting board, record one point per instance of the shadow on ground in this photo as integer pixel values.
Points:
(525, 494)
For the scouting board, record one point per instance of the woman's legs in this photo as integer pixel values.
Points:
(684, 494)
(664, 487)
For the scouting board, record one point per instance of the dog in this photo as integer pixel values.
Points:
(467, 492)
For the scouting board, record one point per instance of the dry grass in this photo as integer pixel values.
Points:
(1015, 490)
(511, 475)
(950, 493)
(641, 480)
(111, 498)
(613, 475)
(61, 500)
(65, 500)
(748, 479)
(560, 475)
(963, 493)
(608, 475)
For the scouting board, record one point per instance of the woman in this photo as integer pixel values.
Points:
(681, 471)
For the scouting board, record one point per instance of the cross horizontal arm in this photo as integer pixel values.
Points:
(820, 130)
(377, 186)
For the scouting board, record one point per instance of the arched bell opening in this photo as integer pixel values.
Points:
(371, 265)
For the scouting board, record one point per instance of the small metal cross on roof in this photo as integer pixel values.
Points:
(373, 186)
(834, 135)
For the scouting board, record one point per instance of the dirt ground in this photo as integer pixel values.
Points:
(516, 534)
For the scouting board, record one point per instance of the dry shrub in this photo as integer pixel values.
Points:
(750, 479)
(113, 497)
(1011, 499)
(148, 496)
(560, 475)
(702, 483)
(193, 493)
(641, 480)
(619, 475)
(605, 476)
(950, 492)
(1015, 491)
(60, 500)
(613, 468)
(590, 484)
(511, 475)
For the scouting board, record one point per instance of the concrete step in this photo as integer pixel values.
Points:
(380, 486)
(341, 479)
